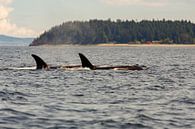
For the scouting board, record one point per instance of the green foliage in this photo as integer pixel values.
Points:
(104, 31)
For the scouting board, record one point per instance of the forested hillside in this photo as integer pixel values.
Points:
(106, 31)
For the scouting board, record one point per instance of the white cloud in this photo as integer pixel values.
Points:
(4, 2)
(152, 3)
(8, 28)
(4, 12)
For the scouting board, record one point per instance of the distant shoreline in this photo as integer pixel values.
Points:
(149, 45)
(123, 45)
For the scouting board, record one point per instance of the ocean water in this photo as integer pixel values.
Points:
(161, 97)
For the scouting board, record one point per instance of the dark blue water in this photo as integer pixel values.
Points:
(162, 96)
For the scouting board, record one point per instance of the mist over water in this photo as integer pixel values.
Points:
(163, 96)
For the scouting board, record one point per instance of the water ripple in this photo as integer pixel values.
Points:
(160, 97)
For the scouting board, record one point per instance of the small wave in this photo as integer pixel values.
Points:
(156, 87)
(13, 111)
(13, 96)
(134, 126)
(185, 100)
(145, 117)
(12, 93)
(123, 125)
(166, 80)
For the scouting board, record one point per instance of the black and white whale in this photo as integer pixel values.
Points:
(40, 64)
(86, 63)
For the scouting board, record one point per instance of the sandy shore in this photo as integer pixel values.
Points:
(148, 45)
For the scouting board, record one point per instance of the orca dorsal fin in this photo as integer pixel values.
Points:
(85, 62)
(40, 63)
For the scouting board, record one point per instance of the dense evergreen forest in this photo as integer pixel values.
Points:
(107, 31)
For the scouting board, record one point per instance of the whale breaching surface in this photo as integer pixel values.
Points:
(40, 64)
(86, 63)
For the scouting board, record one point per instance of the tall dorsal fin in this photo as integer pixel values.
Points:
(40, 63)
(85, 62)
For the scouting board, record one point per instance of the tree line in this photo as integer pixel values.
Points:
(119, 31)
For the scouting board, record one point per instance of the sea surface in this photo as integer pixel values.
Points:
(160, 97)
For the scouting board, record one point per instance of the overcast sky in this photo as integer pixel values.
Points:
(27, 18)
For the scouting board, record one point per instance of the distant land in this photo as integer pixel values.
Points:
(14, 41)
(119, 32)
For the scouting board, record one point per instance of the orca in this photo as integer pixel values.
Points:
(86, 63)
(40, 64)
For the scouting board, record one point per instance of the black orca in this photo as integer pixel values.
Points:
(40, 64)
(86, 63)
